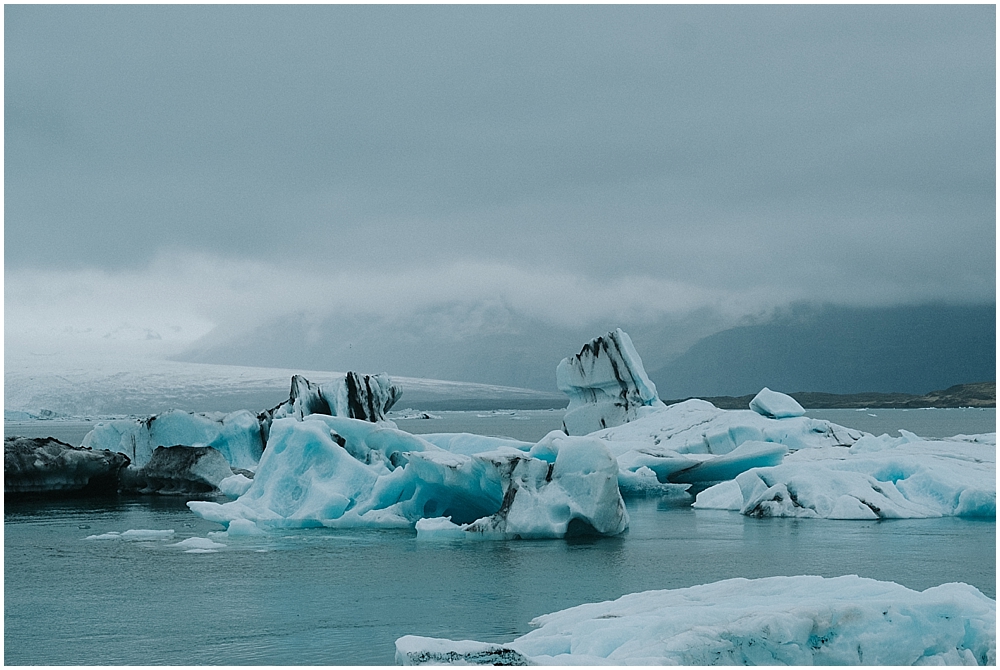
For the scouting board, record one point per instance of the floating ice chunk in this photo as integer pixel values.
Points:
(235, 485)
(699, 427)
(46, 465)
(198, 543)
(803, 620)
(570, 487)
(142, 534)
(726, 495)
(104, 536)
(606, 385)
(184, 470)
(243, 528)
(236, 436)
(775, 405)
(356, 396)
(877, 478)
(439, 528)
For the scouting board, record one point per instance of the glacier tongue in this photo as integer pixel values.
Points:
(606, 385)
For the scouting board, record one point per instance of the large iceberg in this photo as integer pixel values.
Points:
(337, 471)
(805, 620)
(876, 478)
(606, 385)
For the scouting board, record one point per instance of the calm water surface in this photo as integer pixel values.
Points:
(320, 596)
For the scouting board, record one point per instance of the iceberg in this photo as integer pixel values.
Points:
(679, 443)
(183, 470)
(776, 405)
(46, 465)
(803, 620)
(241, 436)
(342, 472)
(699, 427)
(877, 478)
(606, 385)
(237, 435)
(365, 397)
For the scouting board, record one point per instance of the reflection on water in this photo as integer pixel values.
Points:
(320, 596)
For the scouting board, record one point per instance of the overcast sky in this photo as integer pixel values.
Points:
(174, 169)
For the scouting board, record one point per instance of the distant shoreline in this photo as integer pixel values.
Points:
(980, 394)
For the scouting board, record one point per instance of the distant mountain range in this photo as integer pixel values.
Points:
(909, 349)
(982, 394)
(840, 350)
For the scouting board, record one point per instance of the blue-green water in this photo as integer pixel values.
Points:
(328, 597)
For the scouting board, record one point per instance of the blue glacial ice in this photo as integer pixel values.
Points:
(336, 471)
(876, 478)
(804, 620)
(236, 435)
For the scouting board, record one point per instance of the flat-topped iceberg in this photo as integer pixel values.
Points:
(877, 478)
(803, 620)
(336, 471)
(695, 442)
(776, 405)
(606, 385)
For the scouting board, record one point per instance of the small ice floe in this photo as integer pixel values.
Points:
(409, 413)
(238, 528)
(136, 535)
(199, 545)
(439, 528)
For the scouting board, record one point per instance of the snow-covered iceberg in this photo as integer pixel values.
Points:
(776, 405)
(679, 443)
(336, 471)
(236, 435)
(606, 385)
(876, 478)
(805, 620)
(46, 465)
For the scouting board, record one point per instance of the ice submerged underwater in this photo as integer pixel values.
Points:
(328, 457)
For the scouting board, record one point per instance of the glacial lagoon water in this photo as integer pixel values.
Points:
(325, 597)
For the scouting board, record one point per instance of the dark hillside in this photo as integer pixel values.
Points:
(841, 350)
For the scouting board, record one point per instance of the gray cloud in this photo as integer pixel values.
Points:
(723, 157)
